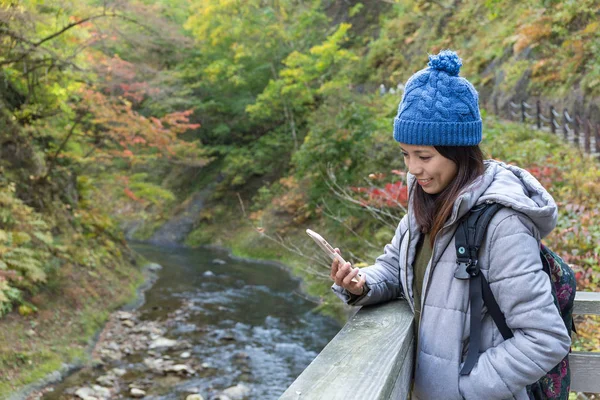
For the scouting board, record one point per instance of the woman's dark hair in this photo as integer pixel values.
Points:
(432, 211)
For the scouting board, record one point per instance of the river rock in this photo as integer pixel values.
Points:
(180, 369)
(219, 261)
(118, 371)
(137, 393)
(123, 315)
(161, 342)
(228, 337)
(194, 397)
(186, 354)
(129, 323)
(93, 393)
(154, 267)
(106, 380)
(237, 392)
(154, 364)
(241, 356)
(85, 393)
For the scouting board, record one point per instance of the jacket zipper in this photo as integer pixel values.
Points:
(406, 265)
(453, 217)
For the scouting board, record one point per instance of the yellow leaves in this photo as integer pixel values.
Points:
(592, 28)
(20, 238)
(26, 310)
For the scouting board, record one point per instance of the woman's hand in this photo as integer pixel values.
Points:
(342, 275)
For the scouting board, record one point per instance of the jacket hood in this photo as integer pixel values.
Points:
(510, 186)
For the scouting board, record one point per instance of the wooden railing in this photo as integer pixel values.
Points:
(372, 357)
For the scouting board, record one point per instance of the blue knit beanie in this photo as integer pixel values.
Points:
(438, 107)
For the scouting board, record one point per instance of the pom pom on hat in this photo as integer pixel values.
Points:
(447, 61)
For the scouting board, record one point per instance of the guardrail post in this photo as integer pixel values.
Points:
(552, 120)
(565, 124)
(587, 133)
(523, 119)
(538, 114)
(598, 139)
(576, 126)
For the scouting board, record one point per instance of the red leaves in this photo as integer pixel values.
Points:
(131, 195)
(548, 175)
(391, 195)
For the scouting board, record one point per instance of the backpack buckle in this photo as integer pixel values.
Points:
(461, 270)
(466, 269)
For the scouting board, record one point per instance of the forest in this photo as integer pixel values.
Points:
(115, 114)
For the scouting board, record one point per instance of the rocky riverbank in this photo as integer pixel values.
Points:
(165, 359)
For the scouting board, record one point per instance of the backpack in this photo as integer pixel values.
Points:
(468, 238)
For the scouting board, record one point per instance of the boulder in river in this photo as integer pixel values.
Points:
(137, 393)
(94, 392)
(154, 267)
(161, 342)
(237, 392)
(180, 369)
(194, 397)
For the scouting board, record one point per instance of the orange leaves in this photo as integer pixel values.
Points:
(129, 134)
(131, 195)
(532, 34)
(292, 202)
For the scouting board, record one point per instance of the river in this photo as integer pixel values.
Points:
(240, 321)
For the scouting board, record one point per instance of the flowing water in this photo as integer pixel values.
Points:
(244, 321)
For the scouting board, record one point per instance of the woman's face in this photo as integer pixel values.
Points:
(433, 171)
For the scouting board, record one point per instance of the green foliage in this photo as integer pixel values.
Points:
(26, 246)
(240, 49)
(305, 76)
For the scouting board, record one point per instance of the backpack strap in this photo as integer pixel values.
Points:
(468, 238)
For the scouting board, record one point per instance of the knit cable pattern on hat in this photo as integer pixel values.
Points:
(438, 107)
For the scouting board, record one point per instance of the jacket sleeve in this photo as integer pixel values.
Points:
(523, 292)
(382, 278)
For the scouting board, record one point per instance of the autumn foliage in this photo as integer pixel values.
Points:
(392, 194)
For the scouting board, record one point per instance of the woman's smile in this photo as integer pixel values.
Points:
(424, 182)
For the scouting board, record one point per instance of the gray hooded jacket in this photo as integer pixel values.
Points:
(510, 261)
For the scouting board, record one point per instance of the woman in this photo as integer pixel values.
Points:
(438, 127)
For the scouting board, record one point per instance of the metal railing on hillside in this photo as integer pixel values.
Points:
(372, 357)
(575, 129)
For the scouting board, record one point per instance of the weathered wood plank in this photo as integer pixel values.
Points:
(370, 358)
(585, 372)
(587, 303)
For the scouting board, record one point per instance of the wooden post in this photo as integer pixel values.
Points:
(523, 112)
(598, 139)
(538, 113)
(564, 127)
(552, 121)
(576, 126)
(587, 130)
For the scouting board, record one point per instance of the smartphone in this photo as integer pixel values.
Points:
(328, 249)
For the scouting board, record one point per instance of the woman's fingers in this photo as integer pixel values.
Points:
(348, 279)
(343, 270)
(335, 265)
